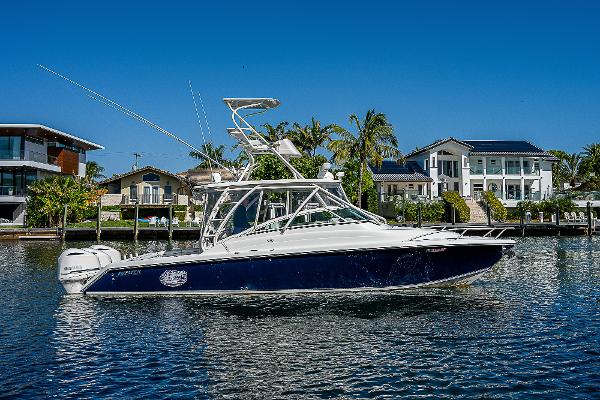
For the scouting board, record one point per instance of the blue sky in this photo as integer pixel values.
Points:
(470, 70)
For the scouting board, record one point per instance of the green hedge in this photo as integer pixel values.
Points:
(463, 213)
(433, 211)
(499, 212)
(548, 207)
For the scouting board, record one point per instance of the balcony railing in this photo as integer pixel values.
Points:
(494, 170)
(29, 155)
(12, 191)
(513, 170)
(151, 199)
(476, 170)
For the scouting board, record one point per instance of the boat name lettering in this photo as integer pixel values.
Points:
(438, 250)
(173, 278)
(125, 273)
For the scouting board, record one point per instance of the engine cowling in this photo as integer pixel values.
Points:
(77, 266)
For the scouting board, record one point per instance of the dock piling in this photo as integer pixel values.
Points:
(170, 223)
(135, 221)
(419, 216)
(589, 218)
(488, 210)
(99, 219)
(63, 234)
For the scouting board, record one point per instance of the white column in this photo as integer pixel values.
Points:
(521, 164)
(503, 183)
(503, 162)
(485, 184)
(484, 168)
(522, 183)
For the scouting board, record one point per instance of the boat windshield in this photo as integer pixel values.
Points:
(250, 210)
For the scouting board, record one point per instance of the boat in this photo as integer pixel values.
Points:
(284, 236)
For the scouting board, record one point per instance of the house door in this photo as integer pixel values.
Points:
(146, 198)
(155, 195)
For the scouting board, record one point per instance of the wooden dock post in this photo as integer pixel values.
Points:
(136, 215)
(98, 221)
(63, 234)
(589, 218)
(453, 214)
(488, 210)
(557, 211)
(419, 216)
(170, 222)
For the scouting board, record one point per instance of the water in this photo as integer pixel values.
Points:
(530, 328)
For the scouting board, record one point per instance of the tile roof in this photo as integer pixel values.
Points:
(393, 171)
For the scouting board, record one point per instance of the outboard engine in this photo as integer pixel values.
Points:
(77, 266)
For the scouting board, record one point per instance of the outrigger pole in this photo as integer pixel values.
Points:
(114, 105)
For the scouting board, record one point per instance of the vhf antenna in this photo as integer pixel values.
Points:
(199, 123)
(112, 104)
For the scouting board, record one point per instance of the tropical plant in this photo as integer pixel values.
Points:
(373, 142)
(432, 211)
(93, 172)
(47, 198)
(460, 205)
(591, 158)
(216, 153)
(558, 173)
(499, 212)
(309, 138)
(275, 133)
(269, 167)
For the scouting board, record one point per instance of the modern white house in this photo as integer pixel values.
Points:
(514, 170)
(29, 152)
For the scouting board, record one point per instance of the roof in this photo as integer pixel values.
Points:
(142, 169)
(437, 143)
(516, 147)
(393, 171)
(491, 147)
(204, 175)
(50, 132)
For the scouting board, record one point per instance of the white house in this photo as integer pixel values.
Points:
(514, 170)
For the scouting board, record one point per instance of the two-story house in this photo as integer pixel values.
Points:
(149, 187)
(29, 152)
(514, 170)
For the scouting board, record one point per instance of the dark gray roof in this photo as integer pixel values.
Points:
(483, 147)
(137, 171)
(392, 171)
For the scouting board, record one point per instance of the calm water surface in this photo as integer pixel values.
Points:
(530, 328)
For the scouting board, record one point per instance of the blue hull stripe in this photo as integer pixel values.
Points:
(352, 269)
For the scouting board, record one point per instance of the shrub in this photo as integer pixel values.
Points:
(498, 210)
(433, 211)
(463, 213)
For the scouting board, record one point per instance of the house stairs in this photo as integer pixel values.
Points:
(477, 213)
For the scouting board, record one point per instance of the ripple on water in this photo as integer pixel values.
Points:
(530, 328)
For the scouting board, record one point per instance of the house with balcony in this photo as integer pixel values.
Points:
(396, 179)
(29, 152)
(148, 187)
(514, 170)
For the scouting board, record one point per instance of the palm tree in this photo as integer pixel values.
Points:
(275, 133)
(571, 165)
(93, 171)
(309, 138)
(374, 141)
(591, 158)
(216, 153)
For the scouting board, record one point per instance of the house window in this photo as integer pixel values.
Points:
(10, 147)
(450, 168)
(395, 189)
(426, 165)
(433, 164)
(420, 189)
(168, 192)
(456, 187)
(151, 177)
